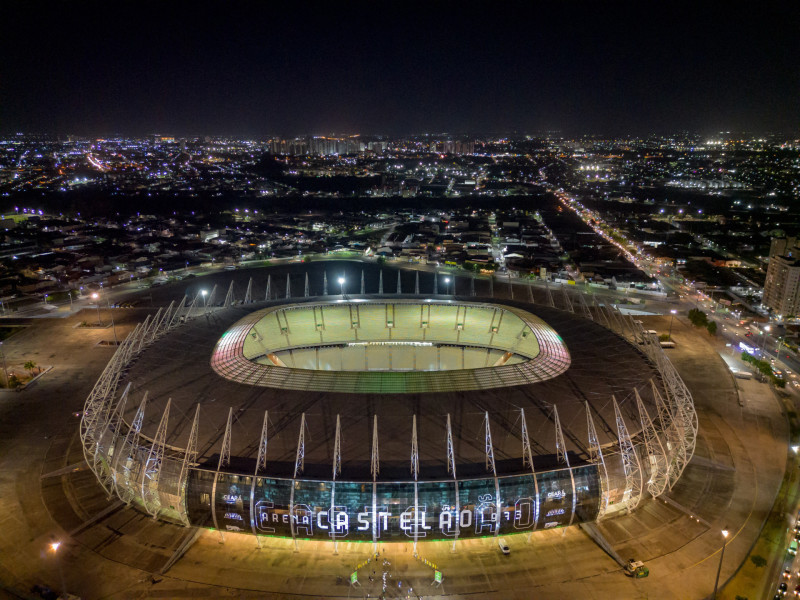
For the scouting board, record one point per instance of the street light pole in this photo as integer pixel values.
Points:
(673, 311)
(96, 298)
(764, 339)
(341, 285)
(721, 556)
(446, 284)
(111, 316)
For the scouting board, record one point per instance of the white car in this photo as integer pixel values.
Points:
(503, 546)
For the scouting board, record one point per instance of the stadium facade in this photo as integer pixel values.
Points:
(388, 418)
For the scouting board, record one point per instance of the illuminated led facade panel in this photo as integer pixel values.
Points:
(302, 508)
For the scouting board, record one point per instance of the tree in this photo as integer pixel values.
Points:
(697, 318)
(712, 328)
(381, 261)
(29, 366)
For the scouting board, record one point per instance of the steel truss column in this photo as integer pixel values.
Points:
(491, 286)
(585, 307)
(399, 289)
(147, 337)
(380, 282)
(632, 325)
(192, 306)
(189, 459)
(527, 461)
(510, 287)
(248, 294)
(415, 474)
(490, 466)
(674, 441)
(180, 310)
(530, 293)
(363, 285)
(600, 313)
(269, 285)
(549, 295)
(616, 326)
(306, 290)
(299, 465)
(212, 297)
(471, 284)
(130, 449)
(596, 456)
(261, 463)
(565, 297)
(337, 469)
(657, 459)
(288, 286)
(685, 416)
(375, 468)
(436, 284)
(630, 463)
(98, 406)
(324, 283)
(162, 325)
(224, 461)
(103, 469)
(153, 464)
(563, 457)
(451, 468)
(416, 283)
(229, 299)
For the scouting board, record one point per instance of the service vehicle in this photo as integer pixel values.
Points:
(636, 568)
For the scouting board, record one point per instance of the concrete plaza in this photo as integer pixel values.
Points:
(109, 551)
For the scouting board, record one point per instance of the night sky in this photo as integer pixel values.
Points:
(256, 69)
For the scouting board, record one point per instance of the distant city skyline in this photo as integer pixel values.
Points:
(240, 69)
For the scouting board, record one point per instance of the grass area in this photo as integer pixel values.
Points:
(6, 332)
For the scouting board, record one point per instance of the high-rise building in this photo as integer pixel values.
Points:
(782, 285)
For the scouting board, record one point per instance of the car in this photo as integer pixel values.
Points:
(503, 546)
(787, 572)
(797, 591)
(748, 334)
(783, 588)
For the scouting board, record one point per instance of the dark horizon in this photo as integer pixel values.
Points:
(245, 70)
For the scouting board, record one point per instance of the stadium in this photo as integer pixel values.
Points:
(387, 417)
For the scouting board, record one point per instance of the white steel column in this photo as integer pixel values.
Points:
(451, 468)
(490, 466)
(630, 463)
(527, 461)
(189, 458)
(152, 467)
(596, 456)
(337, 468)
(657, 459)
(563, 457)
(375, 468)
